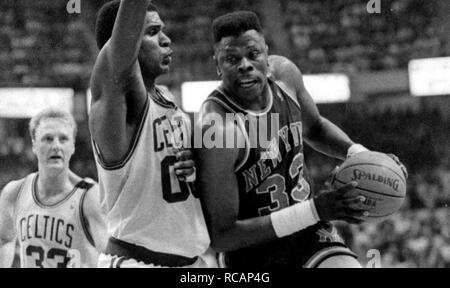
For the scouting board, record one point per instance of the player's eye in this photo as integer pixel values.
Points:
(153, 31)
(231, 59)
(254, 54)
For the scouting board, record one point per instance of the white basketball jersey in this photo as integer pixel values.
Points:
(145, 203)
(55, 236)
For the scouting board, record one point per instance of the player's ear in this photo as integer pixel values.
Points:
(33, 146)
(219, 73)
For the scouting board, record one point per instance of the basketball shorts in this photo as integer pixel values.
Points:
(307, 248)
(120, 254)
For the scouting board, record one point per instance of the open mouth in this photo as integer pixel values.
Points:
(56, 157)
(167, 59)
(247, 83)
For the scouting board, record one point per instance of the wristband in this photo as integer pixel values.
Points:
(294, 218)
(354, 149)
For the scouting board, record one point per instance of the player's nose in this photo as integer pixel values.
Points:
(245, 65)
(165, 40)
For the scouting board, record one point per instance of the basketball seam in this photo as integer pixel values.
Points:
(379, 216)
(372, 164)
(368, 190)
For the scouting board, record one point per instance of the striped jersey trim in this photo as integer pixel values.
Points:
(326, 253)
(83, 220)
(294, 99)
(46, 206)
(161, 100)
(135, 140)
(240, 107)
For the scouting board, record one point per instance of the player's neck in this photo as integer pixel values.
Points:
(150, 84)
(52, 183)
(257, 104)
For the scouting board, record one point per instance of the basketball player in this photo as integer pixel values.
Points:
(54, 214)
(153, 218)
(264, 215)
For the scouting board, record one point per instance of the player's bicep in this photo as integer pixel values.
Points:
(218, 188)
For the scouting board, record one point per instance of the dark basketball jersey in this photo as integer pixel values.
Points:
(272, 177)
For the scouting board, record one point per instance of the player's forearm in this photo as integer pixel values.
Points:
(243, 233)
(329, 139)
(127, 34)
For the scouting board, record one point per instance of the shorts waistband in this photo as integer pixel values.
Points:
(131, 251)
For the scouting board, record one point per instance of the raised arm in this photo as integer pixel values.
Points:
(118, 90)
(318, 131)
(8, 199)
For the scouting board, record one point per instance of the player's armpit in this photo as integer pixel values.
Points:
(95, 217)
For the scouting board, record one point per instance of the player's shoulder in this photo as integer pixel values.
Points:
(281, 67)
(11, 191)
(285, 73)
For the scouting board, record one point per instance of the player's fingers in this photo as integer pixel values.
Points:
(355, 212)
(184, 155)
(184, 164)
(347, 187)
(353, 220)
(184, 172)
(353, 200)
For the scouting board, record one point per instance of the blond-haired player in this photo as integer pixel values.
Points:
(53, 213)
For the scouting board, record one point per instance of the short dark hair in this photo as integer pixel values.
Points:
(234, 24)
(106, 17)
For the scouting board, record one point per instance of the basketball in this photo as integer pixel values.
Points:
(380, 181)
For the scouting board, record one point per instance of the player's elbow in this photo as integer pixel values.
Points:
(219, 245)
(221, 241)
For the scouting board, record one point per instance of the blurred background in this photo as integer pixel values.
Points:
(390, 70)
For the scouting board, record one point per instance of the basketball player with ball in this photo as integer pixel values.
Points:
(261, 212)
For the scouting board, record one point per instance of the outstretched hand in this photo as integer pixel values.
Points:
(334, 205)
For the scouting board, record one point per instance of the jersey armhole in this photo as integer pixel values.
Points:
(134, 141)
(280, 86)
(19, 194)
(83, 220)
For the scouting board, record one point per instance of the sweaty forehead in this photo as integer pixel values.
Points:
(248, 39)
(152, 18)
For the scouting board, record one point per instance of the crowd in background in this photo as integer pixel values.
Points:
(40, 46)
(417, 236)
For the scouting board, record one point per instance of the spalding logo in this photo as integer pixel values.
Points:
(362, 175)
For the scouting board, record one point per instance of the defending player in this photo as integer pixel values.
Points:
(153, 218)
(54, 214)
(264, 214)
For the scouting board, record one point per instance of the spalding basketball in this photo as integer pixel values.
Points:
(380, 180)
